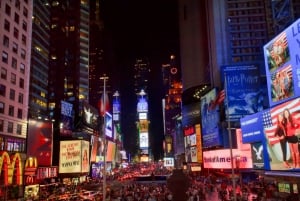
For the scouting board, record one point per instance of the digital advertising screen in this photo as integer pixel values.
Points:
(191, 114)
(282, 142)
(142, 105)
(210, 118)
(116, 106)
(66, 119)
(40, 141)
(143, 125)
(142, 115)
(89, 115)
(244, 93)
(282, 62)
(144, 140)
(108, 125)
(252, 128)
(221, 159)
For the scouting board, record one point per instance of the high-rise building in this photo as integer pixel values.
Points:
(15, 48)
(38, 90)
(69, 60)
(171, 102)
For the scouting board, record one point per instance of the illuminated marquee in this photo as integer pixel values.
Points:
(31, 165)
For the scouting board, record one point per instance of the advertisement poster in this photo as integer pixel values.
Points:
(282, 64)
(283, 140)
(198, 143)
(85, 156)
(191, 114)
(71, 156)
(210, 118)
(66, 118)
(111, 151)
(257, 155)
(39, 141)
(252, 128)
(244, 94)
(143, 125)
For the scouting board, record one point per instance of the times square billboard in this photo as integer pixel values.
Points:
(245, 94)
(282, 64)
(210, 118)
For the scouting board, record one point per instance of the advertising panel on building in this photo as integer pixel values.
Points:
(144, 138)
(108, 125)
(191, 114)
(282, 63)
(89, 116)
(72, 156)
(282, 130)
(143, 125)
(252, 128)
(39, 141)
(222, 158)
(111, 151)
(210, 118)
(244, 93)
(66, 118)
(142, 105)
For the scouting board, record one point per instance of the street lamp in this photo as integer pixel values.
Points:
(104, 78)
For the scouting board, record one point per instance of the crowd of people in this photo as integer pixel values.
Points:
(123, 186)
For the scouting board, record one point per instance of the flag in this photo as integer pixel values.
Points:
(217, 101)
(270, 118)
(221, 97)
(103, 108)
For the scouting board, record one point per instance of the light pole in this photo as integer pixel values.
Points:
(104, 78)
(230, 140)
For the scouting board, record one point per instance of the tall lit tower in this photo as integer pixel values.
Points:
(143, 127)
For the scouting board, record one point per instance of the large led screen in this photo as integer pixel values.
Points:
(282, 126)
(244, 94)
(108, 125)
(39, 141)
(66, 122)
(89, 116)
(210, 117)
(282, 62)
(252, 128)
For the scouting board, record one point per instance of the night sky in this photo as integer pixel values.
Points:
(147, 29)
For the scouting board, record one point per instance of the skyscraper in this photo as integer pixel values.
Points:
(38, 93)
(69, 60)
